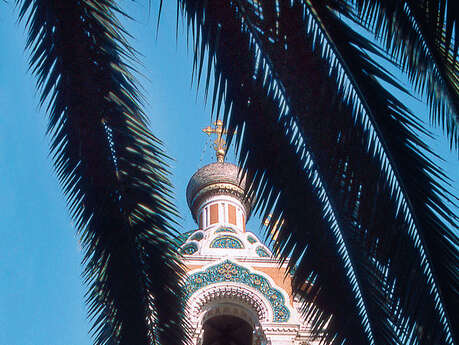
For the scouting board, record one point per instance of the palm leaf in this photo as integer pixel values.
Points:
(251, 104)
(421, 179)
(331, 132)
(111, 168)
(422, 37)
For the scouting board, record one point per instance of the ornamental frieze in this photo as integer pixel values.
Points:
(228, 271)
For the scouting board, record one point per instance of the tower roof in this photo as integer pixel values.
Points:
(217, 178)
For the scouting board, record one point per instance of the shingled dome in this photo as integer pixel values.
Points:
(214, 177)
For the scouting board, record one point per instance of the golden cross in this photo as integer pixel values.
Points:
(219, 143)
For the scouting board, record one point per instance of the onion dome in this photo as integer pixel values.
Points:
(219, 178)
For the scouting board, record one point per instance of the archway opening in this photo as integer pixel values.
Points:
(227, 330)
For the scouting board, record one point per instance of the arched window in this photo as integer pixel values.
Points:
(262, 252)
(227, 242)
(189, 249)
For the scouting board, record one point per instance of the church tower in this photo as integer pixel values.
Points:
(236, 292)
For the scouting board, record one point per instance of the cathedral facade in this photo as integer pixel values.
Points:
(236, 292)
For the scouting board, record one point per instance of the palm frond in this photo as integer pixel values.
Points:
(339, 131)
(421, 180)
(422, 37)
(113, 171)
(275, 164)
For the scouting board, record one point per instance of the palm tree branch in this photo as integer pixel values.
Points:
(322, 108)
(111, 169)
(410, 242)
(259, 181)
(420, 35)
(427, 195)
(417, 160)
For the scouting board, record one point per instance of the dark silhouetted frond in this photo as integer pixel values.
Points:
(111, 168)
(422, 37)
(338, 161)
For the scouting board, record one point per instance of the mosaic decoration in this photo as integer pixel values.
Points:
(197, 236)
(262, 252)
(189, 249)
(227, 242)
(251, 239)
(228, 271)
(224, 229)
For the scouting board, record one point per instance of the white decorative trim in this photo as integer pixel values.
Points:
(291, 309)
(230, 293)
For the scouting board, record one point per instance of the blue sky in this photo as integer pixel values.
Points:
(41, 293)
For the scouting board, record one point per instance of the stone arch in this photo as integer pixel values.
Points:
(257, 306)
(224, 299)
(231, 274)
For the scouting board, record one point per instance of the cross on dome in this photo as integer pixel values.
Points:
(219, 143)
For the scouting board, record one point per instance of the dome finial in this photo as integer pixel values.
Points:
(219, 143)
